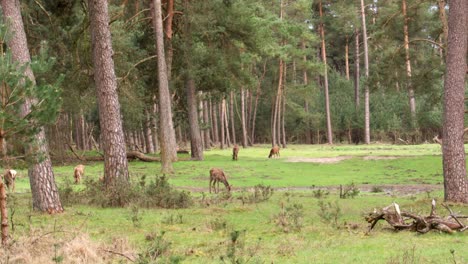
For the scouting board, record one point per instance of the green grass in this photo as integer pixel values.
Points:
(198, 241)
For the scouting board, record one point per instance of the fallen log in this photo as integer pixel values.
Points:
(402, 220)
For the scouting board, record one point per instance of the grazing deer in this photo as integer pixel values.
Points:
(235, 151)
(78, 173)
(9, 178)
(274, 152)
(216, 176)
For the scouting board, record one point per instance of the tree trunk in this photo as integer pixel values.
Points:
(200, 119)
(206, 120)
(366, 66)
(41, 177)
(226, 120)
(454, 160)
(347, 58)
(443, 20)
(196, 144)
(243, 121)
(275, 124)
(148, 132)
(166, 126)
(115, 157)
(214, 120)
(357, 67)
(221, 120)
(283, 109)
(4, 215)
(325, 78)
(154, 126)
(231, 117)
(168, 37)
(412, 101)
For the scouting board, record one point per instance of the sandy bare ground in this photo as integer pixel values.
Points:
(337, 159)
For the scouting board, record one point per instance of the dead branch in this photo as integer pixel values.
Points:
(402, 220)
(118, 253)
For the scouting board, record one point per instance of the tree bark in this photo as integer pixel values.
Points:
(325, 78)
(214, 120)
(196, 144)
(243, 119)
(412, 101)
(115, 161)
(148, 132)
(226, 121)
(453, 149)
(443, 20)
(166, 126)
(41, 177)
(221, 120)
(4, 215)
(232, 119)
(154, 126)
(347, 58)
(366, 67)
(357, 67)
(206, 121)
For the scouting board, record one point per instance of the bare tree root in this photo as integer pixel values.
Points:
(402, 220)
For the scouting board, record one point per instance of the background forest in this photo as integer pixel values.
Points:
(257, 67)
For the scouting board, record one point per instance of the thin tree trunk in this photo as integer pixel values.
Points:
(347, 58)
(200, 119)
(214, 118)
(443, 20)
(412, 101)
(4, 215)
(325, 78)
(257, 95)
(366, 66)
(196, 143)
(168, 37)
(221, 120)
(231, 117)
(148, 132)
(453, 149)
(167, 132)
(283, 131)
(243, 121)
(41, 177)
(206, 119)
(357, 67)
(154, 126)
(226, 120)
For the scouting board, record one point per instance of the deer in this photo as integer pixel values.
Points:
(216, 176)
(274, 152)
(78, 172)
(9, 178)
(235, 151)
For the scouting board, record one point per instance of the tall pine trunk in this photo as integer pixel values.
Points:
(196, 144)
(453, 149)
(412, 100)
(221, 120)
(325, 78)
(357, 67)
(231, 117)
(41, 177)
(206, 121)
(366, 67)
(166, 126)
(115, 156)
(243, 118)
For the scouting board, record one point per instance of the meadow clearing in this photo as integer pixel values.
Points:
(284, 210)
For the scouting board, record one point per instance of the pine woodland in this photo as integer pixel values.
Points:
(146, 77)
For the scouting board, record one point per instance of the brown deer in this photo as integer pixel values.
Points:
(235, 151)
(216, 176)
(78, 172)
(274, 152)
(9, 178)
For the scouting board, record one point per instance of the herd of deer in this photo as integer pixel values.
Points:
(216, 175)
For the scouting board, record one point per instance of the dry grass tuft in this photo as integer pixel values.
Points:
(61, 247)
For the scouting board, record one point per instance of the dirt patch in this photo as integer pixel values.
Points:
(379, 157)
(319, 160)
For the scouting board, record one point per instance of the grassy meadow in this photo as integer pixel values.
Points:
(304, 221)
